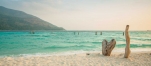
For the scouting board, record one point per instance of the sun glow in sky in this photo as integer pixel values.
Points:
(88, 14)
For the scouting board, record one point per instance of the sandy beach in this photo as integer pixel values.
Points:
(94, 59)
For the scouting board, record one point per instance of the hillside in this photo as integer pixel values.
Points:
(17, 20)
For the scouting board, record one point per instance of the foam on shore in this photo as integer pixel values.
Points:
(81, 59)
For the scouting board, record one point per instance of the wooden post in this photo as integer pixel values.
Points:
(107, 47)
(32, 32)
(127, 48)
(95, 33)
(78, 33)
(100, 33)
(123, 33)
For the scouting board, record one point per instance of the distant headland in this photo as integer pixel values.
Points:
(17, 20)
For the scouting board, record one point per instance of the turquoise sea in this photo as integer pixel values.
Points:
(14, 43)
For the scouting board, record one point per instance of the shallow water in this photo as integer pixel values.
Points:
(50, 42)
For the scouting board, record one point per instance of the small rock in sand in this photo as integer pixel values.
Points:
(87, 53)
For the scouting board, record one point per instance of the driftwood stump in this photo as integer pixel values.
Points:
(127, 48)
(107, 47)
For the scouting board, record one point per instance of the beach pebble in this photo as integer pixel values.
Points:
(87, 53)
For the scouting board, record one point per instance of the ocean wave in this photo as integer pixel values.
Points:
(142, 39)
(83, 42)
(67, 47)
(134, 45)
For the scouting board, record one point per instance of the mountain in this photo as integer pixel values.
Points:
(17, 20)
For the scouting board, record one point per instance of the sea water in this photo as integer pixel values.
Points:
(54, 42)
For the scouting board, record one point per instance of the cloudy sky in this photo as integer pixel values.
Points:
(88, 14)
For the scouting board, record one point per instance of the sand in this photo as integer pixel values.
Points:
(93, 59)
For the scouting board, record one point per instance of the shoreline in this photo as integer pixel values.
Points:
(115, 50)
(81, 59)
